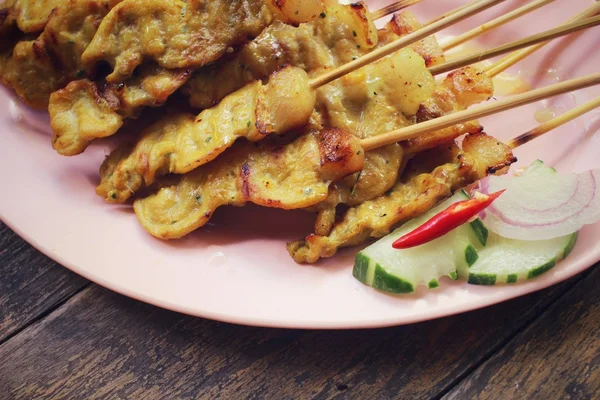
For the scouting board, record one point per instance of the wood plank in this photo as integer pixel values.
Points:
(556, 357)
(103, 345)
(31, 283)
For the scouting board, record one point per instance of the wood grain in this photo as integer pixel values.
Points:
(557, 357)
(100, 345)
(30, 283)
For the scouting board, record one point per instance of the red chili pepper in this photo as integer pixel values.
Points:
(445, 221)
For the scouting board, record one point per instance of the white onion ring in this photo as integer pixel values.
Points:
(542, 204)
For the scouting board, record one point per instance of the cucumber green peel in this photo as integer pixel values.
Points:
(510, 261)
(402, 271)
(470, 252)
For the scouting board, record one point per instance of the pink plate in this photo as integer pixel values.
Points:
(237, 269)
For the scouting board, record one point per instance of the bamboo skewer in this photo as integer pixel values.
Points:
(512, 59)
(553, 123)
(506, 18)
(519, 44)
(402, 42)
(392, 8)
(531, 44)
(511, 102)
(447, 14)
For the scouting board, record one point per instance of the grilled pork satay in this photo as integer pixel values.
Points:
(38, 67)
(480, 155)
(182, 34)
(292, 176)
(461, 89)
(85, 110)
(152, 84)
(340, 34)
(30, 16)
(179, 144)
(405, 23)
(379, 175)
(345, 33)
(190, 145)
(384, 165)
(458, 91)
(381, 171)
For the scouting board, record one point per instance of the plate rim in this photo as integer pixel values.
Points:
(585, 261)
(589, 261)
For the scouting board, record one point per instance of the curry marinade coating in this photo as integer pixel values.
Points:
(175, 33)
(383, 166)
(140, 167)
(479, 89)
(29, 16)
(377, 113)
(180, 143)
(412, 196)
(337, 36)
(342, 34)
(163, 42)
(171, 213)
(85, 110)
(287, 102)
(295, 175)
(159, 212)
(322, 44)
(34, 67)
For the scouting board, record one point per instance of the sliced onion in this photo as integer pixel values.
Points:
(542, 204)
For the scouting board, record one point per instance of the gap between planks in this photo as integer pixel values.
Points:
(42, 316)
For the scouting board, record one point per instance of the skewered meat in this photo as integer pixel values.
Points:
(120, 182)
(384, 165)
(321, 44)
(382, 169)
(374, 113)
(181, 144)
(153, 82)
(345, 33)
(294, 176)
(86, 110)
(127, 171)
(175, 33)
(36, 68)
(30, 16)
(480, 155)
(341, 34)
(393, 88)
(190, 145)
(295, 12)
(405, 23)
(379, 97)
(460, 89)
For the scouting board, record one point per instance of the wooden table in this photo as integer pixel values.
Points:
(62, 337)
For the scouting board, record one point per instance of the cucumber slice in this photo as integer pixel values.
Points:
(402, 271)
(510, 261)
